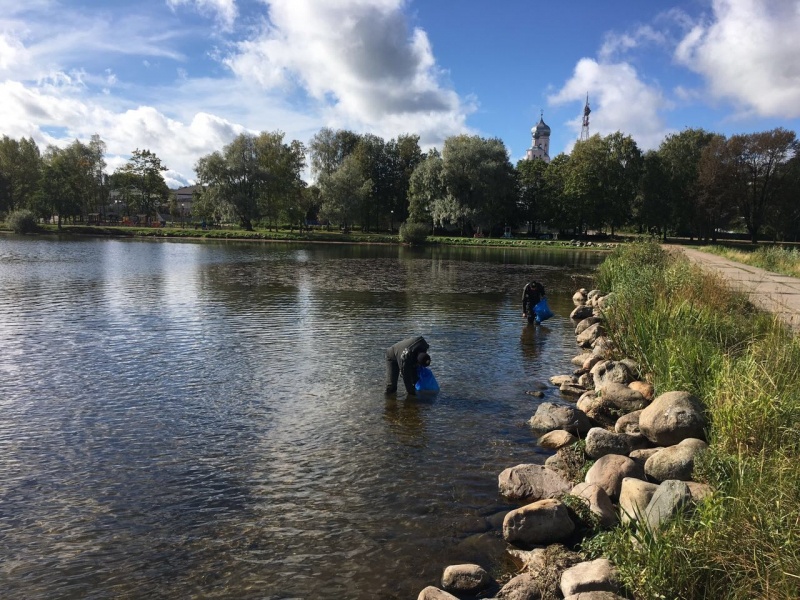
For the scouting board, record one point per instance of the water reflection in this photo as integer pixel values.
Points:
(208, 420)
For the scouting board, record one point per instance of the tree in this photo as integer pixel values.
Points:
(680, 157)
(758, 173)
(143, 173)
(234, 177)
(654, 211)
(531, 184)
(20, 166)
(584, 183)
(329, 148)
(714, 180)
(425, 188)
(479, 183)
(342, 192)
(623, 172)
(280, 165)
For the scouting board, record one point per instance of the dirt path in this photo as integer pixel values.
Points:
(778, 294)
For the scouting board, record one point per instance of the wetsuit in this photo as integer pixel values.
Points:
(531, 295)
(402, 359)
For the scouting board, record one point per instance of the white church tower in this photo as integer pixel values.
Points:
(540, 149)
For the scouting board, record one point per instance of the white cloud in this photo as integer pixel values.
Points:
(615, 44)
(619, 99)
(358, 60)
(224, 11)
(748, 53)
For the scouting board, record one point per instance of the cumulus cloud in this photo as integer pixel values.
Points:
(748, 53)
(619, 99)
(359, 61)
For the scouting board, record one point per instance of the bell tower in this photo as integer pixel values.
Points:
(540, 148)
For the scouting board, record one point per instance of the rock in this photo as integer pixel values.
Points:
(699, 491)
(622, 396)
(592, 294)
(675, 462)
(580, 358)
(602, 347)
(628, 423)
(587, 400)
(528, 482)
(588, 336)
(668, 499)
(541, 522)
(606, 302)
(644, 388)
(432, 593)
(585, 381)
(579, 298)
(551, 416)
(558, 380)
(586, 323)
(535, 393)
(610, 371)
(572, 390)
(558, 464)
(641, 455)
(598, 501)
(595, 596)
(466, 578)
(673, 417)
(592, 576)
(633, 367)
(554, 440)
(609, 471)
(634, 496)
(521, 587)
(590, 362)
(600, 442)
(581, 312)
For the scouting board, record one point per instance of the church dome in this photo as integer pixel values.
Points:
(541, 128)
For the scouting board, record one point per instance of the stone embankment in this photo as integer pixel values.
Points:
(641, 450)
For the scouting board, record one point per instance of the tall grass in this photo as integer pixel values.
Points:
(692, 333)
(772, 258)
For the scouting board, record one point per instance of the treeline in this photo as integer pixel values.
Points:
(695, 184)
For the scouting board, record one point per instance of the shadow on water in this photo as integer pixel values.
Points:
(209, 420)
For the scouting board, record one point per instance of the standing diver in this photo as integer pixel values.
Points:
(404, 357)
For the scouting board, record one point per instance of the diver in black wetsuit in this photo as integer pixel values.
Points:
(531, 295)
(403, 358)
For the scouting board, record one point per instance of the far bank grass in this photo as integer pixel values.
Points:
(692, 333)
(772, 258)
(317, 235)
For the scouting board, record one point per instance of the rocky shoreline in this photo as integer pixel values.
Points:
(622, 458)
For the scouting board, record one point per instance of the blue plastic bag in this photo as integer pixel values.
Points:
(542, 311)
(426, 382)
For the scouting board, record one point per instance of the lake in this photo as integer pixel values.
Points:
(208, 420)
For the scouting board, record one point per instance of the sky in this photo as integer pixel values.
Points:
(182, 78)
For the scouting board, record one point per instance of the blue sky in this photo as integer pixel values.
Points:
(183, 77)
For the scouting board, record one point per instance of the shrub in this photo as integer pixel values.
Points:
(414, 234)
(22, 221)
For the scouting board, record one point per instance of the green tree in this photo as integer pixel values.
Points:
(425, 188)
(20, 171)
(342, 192)
(144, 174)
(479, 182)
(280, 165)
(329, 148)
(654, 210)
(532, 186)
(758, 174)
(623, 172)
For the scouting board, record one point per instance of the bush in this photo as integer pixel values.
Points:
(414, 234)
(22, 221)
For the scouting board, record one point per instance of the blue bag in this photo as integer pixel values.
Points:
(542, 311)
(426, 382)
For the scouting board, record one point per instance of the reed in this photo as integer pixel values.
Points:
(693, 333)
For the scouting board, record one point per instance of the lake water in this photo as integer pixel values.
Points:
(208, 420)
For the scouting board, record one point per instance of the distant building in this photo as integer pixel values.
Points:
(185, 198)
(540, 148)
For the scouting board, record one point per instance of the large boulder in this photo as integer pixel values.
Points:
(592, 576)
(670, 497)
(528, 482)
(588, 336)
(600, 442)
(522, 587)
(622, 396)
(628, 423)
(609, 471)
(551, 416)
(634, 496)
(541, 522)
(433, 593)
(675, 462)
(644, 388)
(611, 371)
(579, 297)
(673, 417)
(466, 579)
(554, 440)
(586, 323)
(581, 312)
(598, 502)
(641, 455)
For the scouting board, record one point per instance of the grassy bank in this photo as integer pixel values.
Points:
(771, 258)
(692, 333)
(317, 235)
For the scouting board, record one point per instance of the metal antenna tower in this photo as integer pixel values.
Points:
(585, 127)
